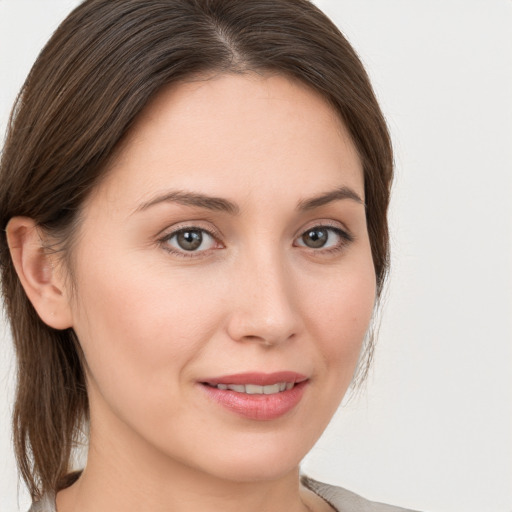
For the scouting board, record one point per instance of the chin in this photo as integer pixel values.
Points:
(250, 470)
(256, 459)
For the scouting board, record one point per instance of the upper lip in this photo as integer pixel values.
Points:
(258, 378)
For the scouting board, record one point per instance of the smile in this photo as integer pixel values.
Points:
(257, 396)
(255, 389)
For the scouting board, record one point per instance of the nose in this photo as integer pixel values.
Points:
(264, 305)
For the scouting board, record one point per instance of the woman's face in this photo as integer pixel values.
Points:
(226, 247)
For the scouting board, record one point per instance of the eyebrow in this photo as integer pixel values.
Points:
(329, 197)
(193, 199)
(224, 205)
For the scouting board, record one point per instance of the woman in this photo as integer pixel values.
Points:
(194, 199)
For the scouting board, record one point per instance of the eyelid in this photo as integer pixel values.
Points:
(326, 223)
(198, 224)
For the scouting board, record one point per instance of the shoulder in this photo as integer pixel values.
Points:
(347, 501)
(47, 504)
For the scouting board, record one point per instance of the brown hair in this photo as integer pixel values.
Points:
(90, 82)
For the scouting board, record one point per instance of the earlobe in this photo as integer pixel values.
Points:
(42, 283)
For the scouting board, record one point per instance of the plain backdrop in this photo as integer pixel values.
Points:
(433, 429)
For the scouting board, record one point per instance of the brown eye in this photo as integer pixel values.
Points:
(190, 240)
(315, 238)
(324, 237)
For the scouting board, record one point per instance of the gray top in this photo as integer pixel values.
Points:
(346, 501)
(340, 499)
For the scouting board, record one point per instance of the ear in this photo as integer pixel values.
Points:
(42, 282)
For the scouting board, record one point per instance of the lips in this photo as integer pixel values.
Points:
(257, 396)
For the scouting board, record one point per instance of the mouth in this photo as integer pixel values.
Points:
(257, 396)
(254, 389)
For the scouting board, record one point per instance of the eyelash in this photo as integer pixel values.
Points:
(345, 239)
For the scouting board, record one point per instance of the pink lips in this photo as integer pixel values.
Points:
(257, 406)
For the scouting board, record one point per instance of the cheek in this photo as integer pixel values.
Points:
(139, 328)
(339, 317)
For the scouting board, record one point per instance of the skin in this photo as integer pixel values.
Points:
(154, 320)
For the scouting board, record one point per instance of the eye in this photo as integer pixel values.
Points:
(324, 237)
(189, 240)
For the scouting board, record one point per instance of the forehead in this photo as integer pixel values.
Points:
(237, 134)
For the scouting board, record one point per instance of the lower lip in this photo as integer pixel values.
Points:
(257, 407)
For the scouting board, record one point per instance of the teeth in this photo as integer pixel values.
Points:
(254, 389)
(270, 390)
(240, 388)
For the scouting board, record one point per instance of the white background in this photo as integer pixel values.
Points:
(433, 429)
